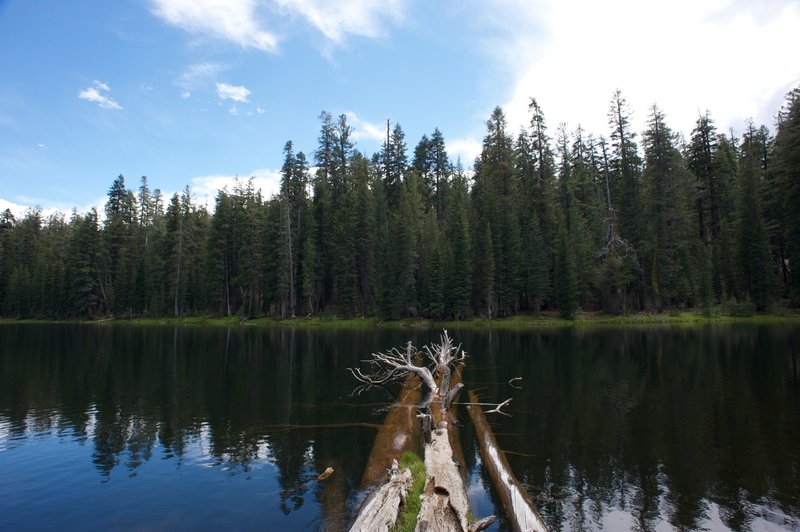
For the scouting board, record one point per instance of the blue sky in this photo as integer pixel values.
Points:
(199, 91)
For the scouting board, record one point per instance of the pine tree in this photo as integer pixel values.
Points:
(787, 171)
(458, 267)
(566, 281)
(625, 170)
(666, 239)
(755, 281)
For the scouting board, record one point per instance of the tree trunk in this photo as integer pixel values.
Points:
(380, 511)
(519, 509)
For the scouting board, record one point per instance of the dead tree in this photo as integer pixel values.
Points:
(445, 505)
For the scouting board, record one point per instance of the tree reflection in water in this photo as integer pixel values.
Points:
(619, 427)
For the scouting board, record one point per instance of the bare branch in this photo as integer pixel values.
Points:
(498, 408)
(512, 382)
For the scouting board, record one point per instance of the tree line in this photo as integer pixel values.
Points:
(541, 223)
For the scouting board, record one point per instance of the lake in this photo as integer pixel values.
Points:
(149, 427)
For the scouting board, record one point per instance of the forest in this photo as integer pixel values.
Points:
(546, 220)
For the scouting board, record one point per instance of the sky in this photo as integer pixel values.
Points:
(200, 92)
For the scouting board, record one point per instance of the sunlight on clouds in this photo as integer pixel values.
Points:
(205, 188)
(237, 93)
(588, 49)
(232, 20)
(93, 94)
(466, 148)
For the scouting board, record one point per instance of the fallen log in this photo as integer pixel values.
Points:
(520, 511)
(381, 510)
(399, 432)
(444, 502)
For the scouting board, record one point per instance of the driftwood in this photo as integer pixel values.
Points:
(381, 510)
(520, 511)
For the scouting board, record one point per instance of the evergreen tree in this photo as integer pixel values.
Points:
(666, 240)
(458, 267)
(787, 171)
(566, 280)
(755, 282)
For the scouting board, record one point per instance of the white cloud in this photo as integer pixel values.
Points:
(337, 20)
(468, 148)
(363, 129)
(186, 95)
(23, 204)
(260, 110)
(243, 21)
(93, 94)
(686, 56)
(205, 188)
(231, 20)
(41, 146)
(237, 93)
(233, 110)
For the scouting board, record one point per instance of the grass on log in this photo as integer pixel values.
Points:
(407, 520)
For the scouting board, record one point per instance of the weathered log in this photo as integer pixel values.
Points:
(381, 510)
(444, 499)
(519, 509)
(399, 432)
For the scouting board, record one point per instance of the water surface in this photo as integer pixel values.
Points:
(130, 427)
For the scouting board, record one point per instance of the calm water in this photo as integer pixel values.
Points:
(188, 428)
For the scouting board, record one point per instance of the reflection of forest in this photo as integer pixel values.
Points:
(666, 424)
(216, 396)
(674, 425)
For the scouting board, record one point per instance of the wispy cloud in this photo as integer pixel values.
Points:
(237, 93)
(94, 94)
(243, 22)
(337, 20)
(362, 129)
(232, 20)
(260, 110)
(198, 75)
(186, 95)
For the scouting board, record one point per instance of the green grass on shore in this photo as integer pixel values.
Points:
(545, 320)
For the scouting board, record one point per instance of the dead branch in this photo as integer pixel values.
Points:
(498, 408)
(393, 365)
(512, 382)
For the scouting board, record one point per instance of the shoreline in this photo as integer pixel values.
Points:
(518, 322)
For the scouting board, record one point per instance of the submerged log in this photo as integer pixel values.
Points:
(519, 509)
(399, 432)
(381, 510)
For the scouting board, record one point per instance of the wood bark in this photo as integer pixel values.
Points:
(381, 510)
(519, 509)
(444, 499)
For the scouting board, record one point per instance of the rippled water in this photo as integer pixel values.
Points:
(162, 428)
